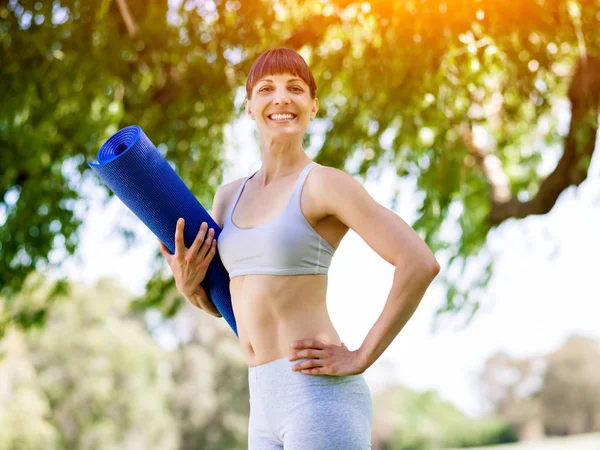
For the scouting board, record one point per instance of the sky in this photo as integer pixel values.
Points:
(544, 286)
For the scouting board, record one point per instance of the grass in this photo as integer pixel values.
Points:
(580, 442)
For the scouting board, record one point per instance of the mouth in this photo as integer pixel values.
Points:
(282, 117)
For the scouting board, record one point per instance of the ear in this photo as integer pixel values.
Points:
(249, 109)
(315, 108)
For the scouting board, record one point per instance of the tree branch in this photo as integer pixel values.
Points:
(571, 170)
(127, 18)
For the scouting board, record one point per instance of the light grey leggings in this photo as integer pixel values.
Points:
(295, 411)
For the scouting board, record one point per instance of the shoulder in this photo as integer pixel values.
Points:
(223, 198)
(335, 191)
(228, 190)
(326, 176)
(327, 181)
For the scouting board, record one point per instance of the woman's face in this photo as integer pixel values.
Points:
(282, 106)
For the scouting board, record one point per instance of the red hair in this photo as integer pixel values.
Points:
(280, 60)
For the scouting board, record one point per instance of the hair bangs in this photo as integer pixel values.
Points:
(277, 61)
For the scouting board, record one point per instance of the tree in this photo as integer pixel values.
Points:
(96, 377)
(464, 96)
(555, 394)
(570, 397)
(210, 395)
(91, 378)
(408, 420)
(512, 387)
(24, 409)
(71, 77)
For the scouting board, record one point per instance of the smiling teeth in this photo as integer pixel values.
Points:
(282, 116)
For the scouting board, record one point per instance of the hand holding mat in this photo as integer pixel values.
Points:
(136, 172)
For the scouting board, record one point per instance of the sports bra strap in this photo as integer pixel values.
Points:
(236, 198)
(301, 179)
(295, 191)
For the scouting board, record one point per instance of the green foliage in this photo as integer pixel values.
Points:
(210, 383)
(30, 307)
(422, 421)
(479, 432)
(70, 79)
(95, 378)
(25, 412)
(399, 84)
(589, 441)
(91, 378)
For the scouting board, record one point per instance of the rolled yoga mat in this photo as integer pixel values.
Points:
(137, 173)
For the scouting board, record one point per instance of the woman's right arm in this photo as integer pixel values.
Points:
(200, 297)
(189, 266)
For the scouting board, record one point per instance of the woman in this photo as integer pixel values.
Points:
(280, 229)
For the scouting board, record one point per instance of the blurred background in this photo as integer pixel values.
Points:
(475, 121)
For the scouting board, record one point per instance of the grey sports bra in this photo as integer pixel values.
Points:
(285, 245)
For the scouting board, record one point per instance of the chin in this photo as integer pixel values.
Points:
(290, 134)
(286, 132)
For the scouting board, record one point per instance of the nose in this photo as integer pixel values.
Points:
(281, 97)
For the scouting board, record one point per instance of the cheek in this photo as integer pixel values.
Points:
(308, 115)
(258, 110)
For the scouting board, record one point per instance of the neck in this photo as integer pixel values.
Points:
(280, 158)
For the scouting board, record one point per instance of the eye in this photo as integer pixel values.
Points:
(296, 89)
(265, 89)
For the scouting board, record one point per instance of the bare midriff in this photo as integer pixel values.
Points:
(272, 311)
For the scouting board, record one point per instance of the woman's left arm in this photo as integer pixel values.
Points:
(391, 238)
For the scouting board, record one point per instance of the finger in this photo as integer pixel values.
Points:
(217, 314)
(208, 306)
(164, 250)
(309, 343)
(199, 238)
(317, 371)
(308, 353)
(212, 252)
(211, 309)
(179, 244)
(209, 256)
(207, 243)
(309, 364)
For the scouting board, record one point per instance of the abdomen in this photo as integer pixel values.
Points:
(273, 311)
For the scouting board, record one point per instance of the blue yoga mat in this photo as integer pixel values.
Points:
(136, 172)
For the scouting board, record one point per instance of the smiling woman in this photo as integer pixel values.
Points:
(281, 94)
(282, 99)
(280, 230)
